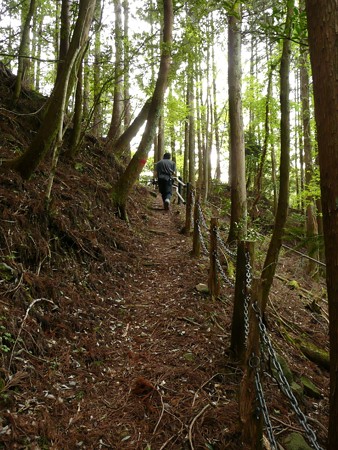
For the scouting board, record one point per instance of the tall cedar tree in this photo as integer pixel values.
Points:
(238, 221)
(134, 168)
(323, 39)
(271, 259)
(26, 164)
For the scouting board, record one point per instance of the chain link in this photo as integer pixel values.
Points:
(223, 245)
(204, 247)
(247, 294)
(202, 216)
(221, 271)
(285, 387)
(264, 409)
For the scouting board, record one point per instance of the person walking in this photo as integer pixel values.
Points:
(165, 169)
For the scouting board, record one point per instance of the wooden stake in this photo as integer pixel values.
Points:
(250, 413)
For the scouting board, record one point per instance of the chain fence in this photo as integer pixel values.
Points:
(283, 383)
(255, 360)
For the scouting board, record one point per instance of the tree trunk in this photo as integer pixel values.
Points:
(126, 80)
(238, 221)
(191, 120)
(134, 168)
(77, 119)
(160, 138)
(29, 161)
(86, 87)
(124, 140)
(200, 116)
(37, 53)
(311, 225)
(322, 28)
(116, 121)
(64, 35)
(216, 120)
(23, 50)
(186, 144)
(97, 113)
(259, 175)
(271, 259)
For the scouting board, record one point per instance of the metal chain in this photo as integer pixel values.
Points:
(285, 387)
(220, 269)
(202, 216)
(192, 204)
(247, 294)
(224, 247)
(204, 247)
(264, 409)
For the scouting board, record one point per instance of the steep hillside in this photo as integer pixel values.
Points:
(104, 340)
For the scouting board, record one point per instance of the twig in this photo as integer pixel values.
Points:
(193, 422)
(317, 423)
(23, 322)
(186, 319)
(201, 387)
(161, 415)
(291, 427)
(167, 442)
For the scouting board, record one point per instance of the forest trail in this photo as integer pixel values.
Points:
(141, 366)
(131, 356)
(169, 343)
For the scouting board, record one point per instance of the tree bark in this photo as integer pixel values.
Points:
(22, 63)
(75, 137)
(97, 113)
(126, 69)
(215, 112)
(191, 121)
(311, 224)
(116, 121)
(283, 199)
(259, 175)
(238, 220)
(134, 168)
(64, 35)
(323, 39)
(123, 142)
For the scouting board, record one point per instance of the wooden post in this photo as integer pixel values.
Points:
(250, 414)
(213, 282)
(196, 243)
(190, 194)
(237, 343)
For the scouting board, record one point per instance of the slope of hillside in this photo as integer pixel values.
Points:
(104, 340)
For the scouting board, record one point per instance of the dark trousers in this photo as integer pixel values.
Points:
(166, 188)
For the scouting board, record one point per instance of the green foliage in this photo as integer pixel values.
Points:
(176, 110)
(312, 192)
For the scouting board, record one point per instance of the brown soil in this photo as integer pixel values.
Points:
(105, 341)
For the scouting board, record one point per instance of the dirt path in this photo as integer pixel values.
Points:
(134, 358)
(160, 381)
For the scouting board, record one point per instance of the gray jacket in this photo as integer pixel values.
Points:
(165, 169)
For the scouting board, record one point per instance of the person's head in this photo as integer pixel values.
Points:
(167, 156)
